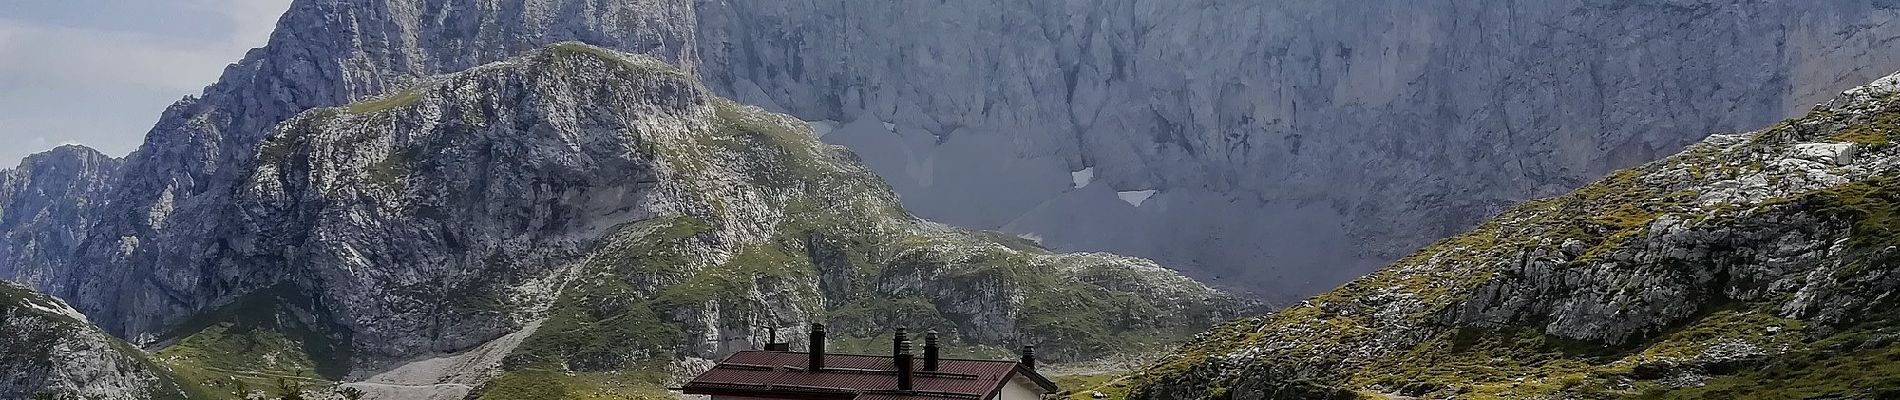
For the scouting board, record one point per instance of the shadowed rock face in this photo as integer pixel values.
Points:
(1293, 144)
(1288, 146)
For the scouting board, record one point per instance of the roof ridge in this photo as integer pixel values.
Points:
(755, 373)
(881, 356)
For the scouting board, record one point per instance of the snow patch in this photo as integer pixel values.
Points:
(1135, 197)
(56, 307)
(890, 127)
(749, 92)
(1030, 237)
(822, 128)
(1083, 177)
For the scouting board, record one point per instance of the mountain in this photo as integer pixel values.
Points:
(1757, 265)
(1085, 131)
(576, 221)
(1075, 123)
(45, 208)
(47, 348)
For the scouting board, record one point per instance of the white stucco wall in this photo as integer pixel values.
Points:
(1020, 389)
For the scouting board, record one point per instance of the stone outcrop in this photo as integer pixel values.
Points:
(1759, 264)
(48, 349)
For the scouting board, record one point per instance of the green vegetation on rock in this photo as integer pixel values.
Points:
(399, 99)
(253, 343)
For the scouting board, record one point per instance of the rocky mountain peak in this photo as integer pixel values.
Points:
(45, 210)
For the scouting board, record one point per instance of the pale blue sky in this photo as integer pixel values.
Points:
(98, 72)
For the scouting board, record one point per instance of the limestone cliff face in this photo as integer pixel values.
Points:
(46, 204)
(1760, 265)
(1292, 145)
(48, 349)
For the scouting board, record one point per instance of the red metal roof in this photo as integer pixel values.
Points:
(776, 374)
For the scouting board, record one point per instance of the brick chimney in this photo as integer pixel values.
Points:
(901, 336)
(1029, 357)
(903, 362)
(930, 350)
(773, 344)
(817, 348)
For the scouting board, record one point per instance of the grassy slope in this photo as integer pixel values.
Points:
(254, 344)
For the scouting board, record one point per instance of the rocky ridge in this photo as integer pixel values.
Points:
(48, 349)
(1759, 264)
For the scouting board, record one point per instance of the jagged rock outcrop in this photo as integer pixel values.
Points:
(1759, 265)
(48, 349)
(46, 204)
(137, 273)
(615, 224)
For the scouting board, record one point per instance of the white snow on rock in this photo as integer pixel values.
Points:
(1030, 237)
(57, 307)
(1135, 197)
(890, 126)
(822, 128)
(1083, 177)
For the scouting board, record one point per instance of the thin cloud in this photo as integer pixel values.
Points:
(104, 83)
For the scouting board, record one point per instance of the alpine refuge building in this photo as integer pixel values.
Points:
(777, 373)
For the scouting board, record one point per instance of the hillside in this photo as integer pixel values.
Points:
(48, 349)
(1758, 264)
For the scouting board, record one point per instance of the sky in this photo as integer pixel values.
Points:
(98, 72)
